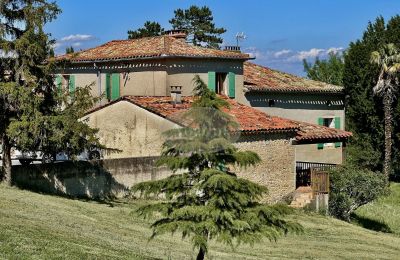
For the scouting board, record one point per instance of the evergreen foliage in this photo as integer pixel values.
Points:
(205, 200)
(35, 114)
(329, 70)
(69, 50)
(198, 22)
(149, 29)
(364, 110)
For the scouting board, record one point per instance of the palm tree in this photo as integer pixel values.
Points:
(387, 86)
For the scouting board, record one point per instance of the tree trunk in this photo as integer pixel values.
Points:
(387, 106)
(6, 160)
(201, 254)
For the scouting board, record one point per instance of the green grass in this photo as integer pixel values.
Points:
(35, 226)
(383, 212)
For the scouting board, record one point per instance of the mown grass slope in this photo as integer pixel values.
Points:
(36, 226)
(383, 213)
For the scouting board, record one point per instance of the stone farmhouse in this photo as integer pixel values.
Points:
(147, 82)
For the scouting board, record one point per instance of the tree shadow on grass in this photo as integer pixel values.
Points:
(371, 224)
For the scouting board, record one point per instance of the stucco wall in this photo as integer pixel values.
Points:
(277, 168)
(307, 108)
(130, 129)
(97, 180)
(154, 77)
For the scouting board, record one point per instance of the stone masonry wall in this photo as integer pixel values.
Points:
(277, 168)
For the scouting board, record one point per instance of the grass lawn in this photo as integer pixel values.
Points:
(39, 226)
(383, 213)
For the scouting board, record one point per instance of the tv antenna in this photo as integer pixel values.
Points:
(240, 37)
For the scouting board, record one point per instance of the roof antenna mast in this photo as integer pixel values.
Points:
(240, 36)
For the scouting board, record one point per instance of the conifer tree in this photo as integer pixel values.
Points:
(30, 108)
(148, 29)
(205, 200)
(198, 22)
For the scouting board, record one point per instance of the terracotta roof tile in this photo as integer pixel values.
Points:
(259, 78)
(250, 119)
(148, 47)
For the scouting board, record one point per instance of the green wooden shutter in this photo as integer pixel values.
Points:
(115, 86)
(337, 126)
(59, 84)
(71, 85)
(211, 80)
(232, 84)
(320, 122)
(108, 86)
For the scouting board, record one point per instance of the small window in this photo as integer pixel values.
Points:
(271, 102)
(221, 83)
(329, 122)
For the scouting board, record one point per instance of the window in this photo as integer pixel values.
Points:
(221, 86)
(332, 122)
(112, 86)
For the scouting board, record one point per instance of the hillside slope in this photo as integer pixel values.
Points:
(39, 226)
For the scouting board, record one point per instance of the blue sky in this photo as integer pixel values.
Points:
(279, 33)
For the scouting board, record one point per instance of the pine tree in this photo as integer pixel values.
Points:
(69, 50)
(149, 29)
(198, 22)
(205, 200)
(30, 109)
(329, 70)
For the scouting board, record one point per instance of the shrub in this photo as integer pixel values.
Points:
(353, 187)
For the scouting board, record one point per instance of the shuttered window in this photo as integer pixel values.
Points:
(59, 84)
(337, 126)
(115, 80)
(108, 86)
(211, 80)
(232, 84)
(320, 122)
(71, 85)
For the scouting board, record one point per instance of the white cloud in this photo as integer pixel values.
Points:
(77, 37)
(282, 53)
(75, 40)
(289, 60)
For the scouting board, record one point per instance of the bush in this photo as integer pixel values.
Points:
(353, 187)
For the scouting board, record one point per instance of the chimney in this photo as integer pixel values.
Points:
(176, 95)
(177, 34)
(232, 48)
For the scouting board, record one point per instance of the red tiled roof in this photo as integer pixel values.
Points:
(148, 47)
(258, 78)
(250, 120)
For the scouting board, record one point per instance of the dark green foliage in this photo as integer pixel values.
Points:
(352, 187)
(69, 50)
(364, 110)
(148, 29)
(205, 200)
(198, 22)
(34, 114)
(329, 71)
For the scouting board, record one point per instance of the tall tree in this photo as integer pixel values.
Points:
(329, 70)
(364, 110)
(205, 199)
(30, 106)
(387, 87)
(198, 22)
(69, 50)
(149, 29)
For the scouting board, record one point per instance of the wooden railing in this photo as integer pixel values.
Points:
(303, 171)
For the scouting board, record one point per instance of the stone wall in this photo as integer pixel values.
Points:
(108, 178)
(277, 168)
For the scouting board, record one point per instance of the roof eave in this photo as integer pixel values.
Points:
(280, 90)
(158, 57)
